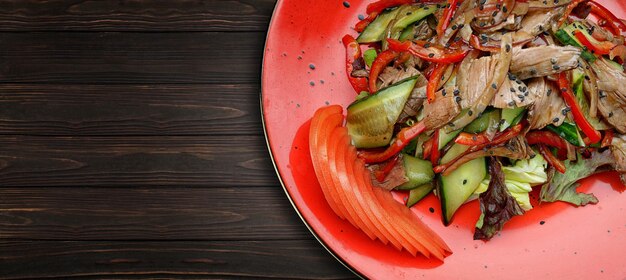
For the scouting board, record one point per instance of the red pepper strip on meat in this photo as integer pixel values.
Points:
(382, 173)
(579, 118)
(501, 138)
(604, 13)
(433, 81)
(475, 43)
(600, 48)
(361, 25)
(430, 53)
(470, 139)
(448, 13)
(427, 148)
(568, 11)
(403, 138)
(380, 5)
(434, 154)
(382, 60)
(551, 159)
(545, 137)
(353, 52)
(608, 139)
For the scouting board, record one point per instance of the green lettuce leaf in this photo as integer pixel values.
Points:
(562, 187)
(520, 178)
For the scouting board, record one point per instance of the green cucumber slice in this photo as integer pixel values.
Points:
(370, 120)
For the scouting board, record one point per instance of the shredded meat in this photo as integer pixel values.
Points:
(392, 75)
(543, 61)
(618, 148)
(442, 110)
(514, 93)
(548, 107)
(612, 94)
(395, 177)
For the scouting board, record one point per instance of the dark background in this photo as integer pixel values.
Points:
(131, 145)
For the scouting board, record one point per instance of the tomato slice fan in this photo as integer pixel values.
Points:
(349, 191)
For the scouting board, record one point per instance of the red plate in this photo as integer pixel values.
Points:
(303, 69)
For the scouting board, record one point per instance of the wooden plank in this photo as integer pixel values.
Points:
(136, 58)
(180, 213)
(135, 15)
(293, 259)
(205, 109)
(135, 161)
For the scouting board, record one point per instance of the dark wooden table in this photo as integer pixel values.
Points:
(131, 145)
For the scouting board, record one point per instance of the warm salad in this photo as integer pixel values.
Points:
(472, 99)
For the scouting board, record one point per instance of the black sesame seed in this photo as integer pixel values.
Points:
(457, 99)
(556, 67)
(563, 89)
(431, 54)
(508, 48)
(426, 8)
(520, 88)
(504, 9)
(432, 210)
(454, 27)
(361, 17)
(556, 1)
(470, 112)
(464, 181)
(427, 45)
(549, 92)
(556, 120)
(512, 103)
(587, 78)
(494, 86)
(456, 92)
(443, 92)
(346, 4)
(312, 66)
(512, 90)
(520, 96)
(533, 72)
(494, 13)
(542, 222)
(526, 93)
(610, 114)
(482, 24)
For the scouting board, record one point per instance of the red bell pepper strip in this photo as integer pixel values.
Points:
(605, 14)
(568, 11)
(470, 139)
(403, 138)
(380, 5)
(448, 13)
(609, 26)
(600, 48)
(362, 24)
(427, 147)
(548, 138)
(579, 118)
(432, 54)
(434, 154)
(475, 43)
(608, 139)
(353, 52)
(433, 81)
(501, 138)
(382, 173)
(382, 60)
(551, 159)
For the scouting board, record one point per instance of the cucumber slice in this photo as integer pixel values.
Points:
(370, 120)
(418, 171)
(510, 115)
(446, 137)
(481, 123)
(375, 31)
(569, 132)
(459, 185)
(369, 56)
(453, 152)
(413, 14)
(565, 36)
(416, 194)
(597, 123)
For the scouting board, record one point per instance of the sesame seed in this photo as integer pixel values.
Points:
(470, 112)
(556, 120)
(346, 4)
(427, 45)
(610, 114)
(456, 92)
(508, 48)
(556, 67)
(494, 86)
(549, 92)
(504, 9)
(512, 90)
(431, 54)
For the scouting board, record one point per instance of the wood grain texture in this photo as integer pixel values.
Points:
(153, 109)
(131, 57)
(290, 259)
(139, 213)
(135, 15)
(135, 161)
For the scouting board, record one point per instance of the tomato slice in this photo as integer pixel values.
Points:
(322, 123)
